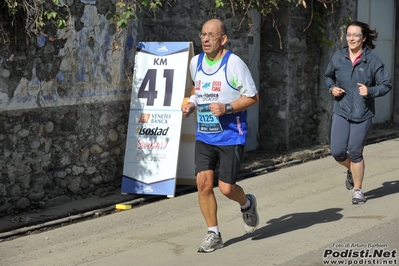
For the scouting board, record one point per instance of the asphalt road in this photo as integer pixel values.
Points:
(305, 214)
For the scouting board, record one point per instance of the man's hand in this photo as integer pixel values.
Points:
(187, 109)
(218, 109)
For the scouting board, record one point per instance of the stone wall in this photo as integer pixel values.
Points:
(64, 103)
(296, 108)
(51, 157)
(289, 80)
(181, 21)
(82, 64)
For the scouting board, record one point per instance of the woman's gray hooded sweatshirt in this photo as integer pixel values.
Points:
(368, 70)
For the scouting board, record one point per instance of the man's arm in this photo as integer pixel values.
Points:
(188, 108)
(244, 103)
(241, 104)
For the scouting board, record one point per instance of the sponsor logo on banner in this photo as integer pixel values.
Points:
(148, 189)
(152, 145)
(160, 118)
(158, 157)
(154, 118)
(162, 49)
(144, 118)
(157, 131)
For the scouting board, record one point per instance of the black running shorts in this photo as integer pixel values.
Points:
(208, 156)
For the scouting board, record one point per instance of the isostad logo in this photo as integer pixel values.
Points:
(144, 118)
(157, 131)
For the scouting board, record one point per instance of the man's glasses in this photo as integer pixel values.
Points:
(355, 36)
(210, 36)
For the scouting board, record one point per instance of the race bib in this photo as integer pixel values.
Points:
(207, 122)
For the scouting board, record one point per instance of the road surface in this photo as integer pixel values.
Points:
(306, 218)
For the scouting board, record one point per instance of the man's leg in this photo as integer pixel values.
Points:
(208, 205)
(230, 158)
(233, 192)
(205, 162)
(206, 197)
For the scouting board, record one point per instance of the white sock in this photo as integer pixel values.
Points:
(246, 205)
(214, 229)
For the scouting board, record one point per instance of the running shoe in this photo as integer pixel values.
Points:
(211, 242)
(358, 196)
(349, 180)
(250, 216)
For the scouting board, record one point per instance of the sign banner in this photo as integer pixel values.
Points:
(155, 119)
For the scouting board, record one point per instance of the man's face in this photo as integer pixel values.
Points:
(212, 38)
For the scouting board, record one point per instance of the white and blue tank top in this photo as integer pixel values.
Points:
(223, 82)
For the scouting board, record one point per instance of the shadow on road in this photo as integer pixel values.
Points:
(290, 222)
(386, 189)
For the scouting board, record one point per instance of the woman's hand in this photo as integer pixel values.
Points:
(336, 91)
(363, 90)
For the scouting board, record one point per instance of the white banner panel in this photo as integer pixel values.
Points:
(155, 119)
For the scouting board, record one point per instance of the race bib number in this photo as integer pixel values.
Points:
(207, 122)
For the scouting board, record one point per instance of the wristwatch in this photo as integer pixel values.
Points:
(229, 109)
(330, 90)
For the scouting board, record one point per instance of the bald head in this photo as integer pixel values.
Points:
(216, 24)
